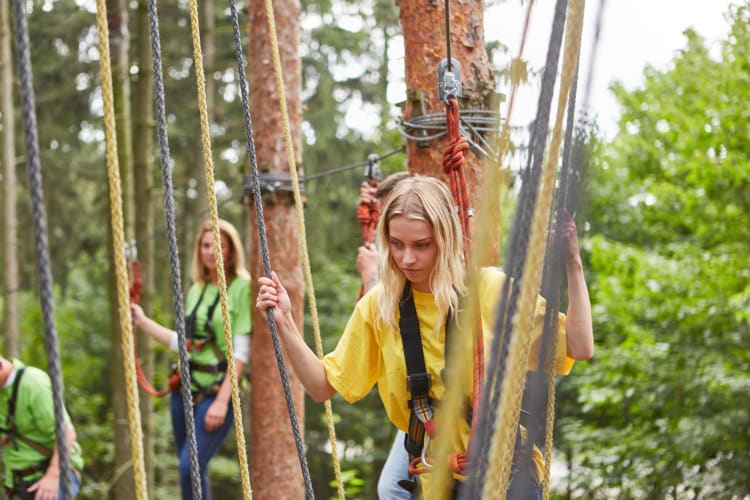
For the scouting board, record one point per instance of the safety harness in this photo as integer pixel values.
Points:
(199, 340)
(418, 383)
(12, 436)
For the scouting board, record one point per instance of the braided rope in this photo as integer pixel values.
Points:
(214, 217)
(301, 225)
(174, 257)
(520, 234)
(33, 166)
(118, 242)
(512, 384)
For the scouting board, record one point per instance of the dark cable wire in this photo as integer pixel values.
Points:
(448, 34)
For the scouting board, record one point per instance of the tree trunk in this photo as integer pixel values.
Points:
(275, 466)
(117, 18)
(424, 28)
(10, 227)
(143, 138)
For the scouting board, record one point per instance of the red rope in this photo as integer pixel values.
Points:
(368, 214)
(453, 162)
(136, 285)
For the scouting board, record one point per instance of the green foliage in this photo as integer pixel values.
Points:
(660, 412)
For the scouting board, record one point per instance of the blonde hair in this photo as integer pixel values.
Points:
(234, 266)
(427, 199)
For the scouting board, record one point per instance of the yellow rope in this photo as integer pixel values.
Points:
(214, 216)
(301, 225)
(550, 423)
(510, 402)
(118, 242)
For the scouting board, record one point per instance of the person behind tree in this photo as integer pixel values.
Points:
(396, 464)
(29, 447)
(421, 260)
(204, 328)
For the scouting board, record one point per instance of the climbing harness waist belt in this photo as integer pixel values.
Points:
(22, 477)
(214, 368)
(204, 393)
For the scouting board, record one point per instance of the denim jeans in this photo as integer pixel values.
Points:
(395, 468)
(22, 494)
(208, 443)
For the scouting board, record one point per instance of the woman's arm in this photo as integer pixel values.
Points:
(578, 327)
(308, 367)
(160, 333)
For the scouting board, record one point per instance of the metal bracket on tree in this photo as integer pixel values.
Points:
(449, 80)
(273, 184)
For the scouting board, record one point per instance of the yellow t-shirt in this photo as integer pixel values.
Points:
(370, 353)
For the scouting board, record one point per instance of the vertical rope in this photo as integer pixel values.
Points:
(118, 242)
(518, 247)
(34, 170)
(300, 222)
(214, 216)
(174, 258)
(512, 384)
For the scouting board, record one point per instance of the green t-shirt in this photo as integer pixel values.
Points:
(35, 420)
(240, 320)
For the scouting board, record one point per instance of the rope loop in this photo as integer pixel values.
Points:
(453, 162)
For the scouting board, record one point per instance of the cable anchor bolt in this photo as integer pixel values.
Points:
(449, 82)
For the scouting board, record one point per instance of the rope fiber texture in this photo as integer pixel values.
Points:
(33, 166)
(174, 258)
(200, 79)
(118, 243)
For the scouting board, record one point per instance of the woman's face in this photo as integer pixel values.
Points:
(208, 258)
(413, 249)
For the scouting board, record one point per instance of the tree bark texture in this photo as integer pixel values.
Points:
(10, 226)
(275, 470)
(424, 28)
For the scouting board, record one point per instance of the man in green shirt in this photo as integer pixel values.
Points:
(27, 429)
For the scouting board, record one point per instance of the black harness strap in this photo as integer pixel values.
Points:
(418, 381)
(199, 339)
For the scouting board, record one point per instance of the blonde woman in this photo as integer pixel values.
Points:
(204, 327)
(421, 259)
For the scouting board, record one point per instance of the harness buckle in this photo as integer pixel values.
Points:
(418, 384)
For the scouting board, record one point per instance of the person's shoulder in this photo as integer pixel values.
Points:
(370, 299)
(241, 282)
(31, 374)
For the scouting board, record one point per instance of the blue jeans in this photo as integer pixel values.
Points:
(21, 493)
(208, 443)
(395, 468)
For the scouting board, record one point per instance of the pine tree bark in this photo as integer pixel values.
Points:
(10, 226)
(424, 27)
(275, 467)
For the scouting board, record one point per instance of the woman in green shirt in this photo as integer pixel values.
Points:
(204, 327)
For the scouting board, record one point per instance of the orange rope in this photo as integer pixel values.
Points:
(136, 285)
(453, 162)
(368, 215)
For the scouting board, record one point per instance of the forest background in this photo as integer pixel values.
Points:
(660, 412)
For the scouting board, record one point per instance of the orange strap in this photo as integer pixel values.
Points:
(453, 162)
(136, 285)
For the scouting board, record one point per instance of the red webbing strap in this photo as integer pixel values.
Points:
(136, 285)
(453, 162)
(368, 215)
